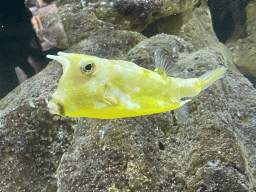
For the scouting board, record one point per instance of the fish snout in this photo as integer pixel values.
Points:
(56, 107)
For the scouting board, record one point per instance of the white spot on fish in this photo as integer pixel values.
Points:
(137, 106)
(117, 92)
(126, 86)
(118, 67)
(102, 82)
(93, 85)
(127, 100)
(131, 105)
(128, 70)
(136, 89)
(127, 97)
(139, 70)
(154, 75)
(93, 80)
(160, 102)
(103, 77)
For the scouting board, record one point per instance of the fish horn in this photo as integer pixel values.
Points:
(61, 59)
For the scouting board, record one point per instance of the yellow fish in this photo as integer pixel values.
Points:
(107, 89)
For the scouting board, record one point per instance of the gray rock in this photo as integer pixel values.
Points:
(213, 151)
(82, 19)
(243, 50)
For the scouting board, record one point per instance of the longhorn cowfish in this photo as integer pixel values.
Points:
(107, 89)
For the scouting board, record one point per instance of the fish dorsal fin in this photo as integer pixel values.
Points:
(163, 63)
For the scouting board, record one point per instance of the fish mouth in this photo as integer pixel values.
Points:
(56, 107)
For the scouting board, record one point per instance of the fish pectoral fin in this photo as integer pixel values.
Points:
(110, 100)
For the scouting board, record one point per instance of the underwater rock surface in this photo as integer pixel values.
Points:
(214, 151)
(244, 50)
(81, 18)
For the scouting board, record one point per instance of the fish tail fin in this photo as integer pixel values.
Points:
(211, 76)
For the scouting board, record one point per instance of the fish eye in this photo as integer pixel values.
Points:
(87, 68)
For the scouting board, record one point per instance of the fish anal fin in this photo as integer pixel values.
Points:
(182, 113)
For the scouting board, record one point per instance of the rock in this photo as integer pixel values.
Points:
(243, 50)
(213, 151)
(81, 19)
(32, 140)
(154, 152)
(228, 18)
(195, 26)
(143, 53)
(111, 45)
(48, 27)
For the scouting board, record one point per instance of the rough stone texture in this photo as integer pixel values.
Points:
(111, 45)
(244, 50)
(138, 154)
(49, 30)
(155, 153)
(82, 19)
(143, 53)
(214, 151)
(229, 19)
(195, 26)
(32, 140)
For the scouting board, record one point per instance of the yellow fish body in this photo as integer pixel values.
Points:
(107, 89)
